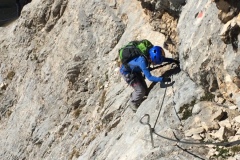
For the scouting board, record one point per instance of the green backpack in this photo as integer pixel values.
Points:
(134, 49)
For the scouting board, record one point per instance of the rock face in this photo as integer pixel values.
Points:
(62, 97)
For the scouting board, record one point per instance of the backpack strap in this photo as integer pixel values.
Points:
(134, 49)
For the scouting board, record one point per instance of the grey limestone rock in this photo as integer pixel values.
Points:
(62, 96)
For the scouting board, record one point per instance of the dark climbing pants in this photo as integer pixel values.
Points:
(140, 88)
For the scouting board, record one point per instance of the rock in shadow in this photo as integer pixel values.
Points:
(172, 71)
(10, 10)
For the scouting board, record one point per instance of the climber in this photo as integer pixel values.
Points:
(140, 55)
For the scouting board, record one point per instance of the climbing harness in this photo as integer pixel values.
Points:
(152, 131)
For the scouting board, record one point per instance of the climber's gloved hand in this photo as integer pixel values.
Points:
(166, 79)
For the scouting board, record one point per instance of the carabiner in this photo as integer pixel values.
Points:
(149, 125)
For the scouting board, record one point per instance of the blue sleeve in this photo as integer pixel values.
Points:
(143, 66)
(123, 70)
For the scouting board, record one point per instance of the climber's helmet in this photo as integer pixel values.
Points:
(157, 54)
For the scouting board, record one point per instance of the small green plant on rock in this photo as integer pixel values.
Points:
(207, 97)
(186, 110)
(222, 152)
(235, 149)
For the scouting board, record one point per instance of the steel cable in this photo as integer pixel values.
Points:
(152, 130)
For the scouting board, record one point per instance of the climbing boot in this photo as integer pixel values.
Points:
(133, 106)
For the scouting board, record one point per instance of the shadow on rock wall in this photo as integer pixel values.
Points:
(10, 10)
(164, 16)
(229, 9)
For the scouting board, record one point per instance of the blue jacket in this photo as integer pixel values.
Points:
(140, 64)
